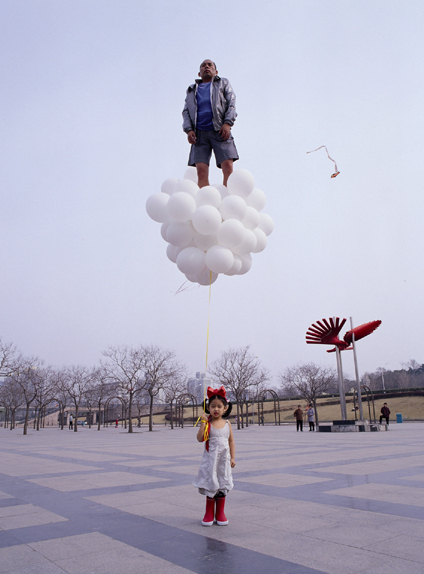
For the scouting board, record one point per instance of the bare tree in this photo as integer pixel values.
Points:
(45, 392)
(27, 374)
(59, 379)
(172, 389)
(101, 389)
(403, 380)
(77, 382)
(140, 401)
(250, 397)
(9, 356)
(12, 397)
(125, 367)
(308, 381)
(411, 365)
(160, 368)
(239, 371)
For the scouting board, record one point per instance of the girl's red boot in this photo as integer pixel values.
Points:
(221, 519)
(210, 511)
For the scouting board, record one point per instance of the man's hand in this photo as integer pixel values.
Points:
(191, 136)
(233, 462)
(225, 131)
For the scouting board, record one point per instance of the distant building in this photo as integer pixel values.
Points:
(197, 386)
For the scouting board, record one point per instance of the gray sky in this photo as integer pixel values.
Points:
(91, 99)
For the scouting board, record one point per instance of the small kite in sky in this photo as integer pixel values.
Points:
(336, 173)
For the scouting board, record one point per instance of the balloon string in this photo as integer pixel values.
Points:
(207, 335)
(207, 331)
(207, 347)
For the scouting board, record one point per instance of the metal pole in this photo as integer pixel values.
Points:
(341, 386)
(358, 384)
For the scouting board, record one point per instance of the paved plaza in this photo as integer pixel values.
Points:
(106, 502)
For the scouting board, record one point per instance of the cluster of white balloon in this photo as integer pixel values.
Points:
(214, 228)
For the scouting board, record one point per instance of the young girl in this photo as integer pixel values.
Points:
(214, 478)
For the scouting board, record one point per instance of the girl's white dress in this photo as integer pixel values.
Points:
(215, 466)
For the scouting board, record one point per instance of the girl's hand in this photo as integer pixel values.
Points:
(233, 462)
(204, 418)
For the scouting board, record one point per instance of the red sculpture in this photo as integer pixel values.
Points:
(325, 332)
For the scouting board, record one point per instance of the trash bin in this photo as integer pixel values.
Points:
(399, 418)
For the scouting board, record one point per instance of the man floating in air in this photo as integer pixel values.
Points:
(208, 115)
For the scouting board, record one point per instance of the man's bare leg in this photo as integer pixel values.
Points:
(202, 174)
(227, 169)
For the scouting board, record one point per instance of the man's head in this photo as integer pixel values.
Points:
(385, 404)
(207, 70)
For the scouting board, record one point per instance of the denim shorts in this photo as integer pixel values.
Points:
(207, 141)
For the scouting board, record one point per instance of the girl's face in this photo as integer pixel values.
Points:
(217, 408)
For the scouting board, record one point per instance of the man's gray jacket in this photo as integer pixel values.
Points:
(223, 102)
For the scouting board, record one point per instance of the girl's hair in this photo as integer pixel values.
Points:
(207, 402)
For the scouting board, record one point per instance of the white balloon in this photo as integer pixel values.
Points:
(181, 206)
(213, 229)
(256, 199)
(163, 230)
(236, 268)
(233, 207)
(179, 249)
(266, 223)
(247, 244)
(251, 219)
(206, 220)
(206, 277)
(246, 264)
(208, 195)
(230, 233)
(188, 186)
(191, 173)
(204, 242)
(191, 260)
(219, 259)
(191, 277)
(241, 183)
(261, 241)
(156, 207)
(169, 185)
(180, 234)
(171, 252)
(222, 189)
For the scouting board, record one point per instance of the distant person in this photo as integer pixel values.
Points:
(208, 116)
(311, 417)
(298, 415)
(385, 413)
(262, 420)
(71, 422)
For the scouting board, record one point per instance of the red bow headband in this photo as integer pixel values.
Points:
(213, 392)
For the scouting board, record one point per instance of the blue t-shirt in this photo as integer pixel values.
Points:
(204, 108)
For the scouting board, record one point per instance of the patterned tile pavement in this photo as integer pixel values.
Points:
(303, 503)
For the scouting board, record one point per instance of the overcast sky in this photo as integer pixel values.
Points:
(91, 99)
